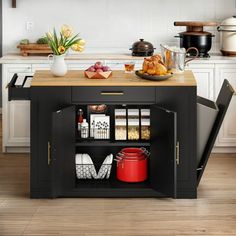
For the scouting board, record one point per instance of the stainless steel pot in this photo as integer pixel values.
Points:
(227, 31)
(175, 58)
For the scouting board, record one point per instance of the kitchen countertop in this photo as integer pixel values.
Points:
(73, 58)
(119, 78)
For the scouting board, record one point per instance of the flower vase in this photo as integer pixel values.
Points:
(58, 65)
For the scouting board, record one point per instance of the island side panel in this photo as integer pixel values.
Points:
(183, 101)
(44, 101)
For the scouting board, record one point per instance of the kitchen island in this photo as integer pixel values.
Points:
(209, 74)
(54, 139)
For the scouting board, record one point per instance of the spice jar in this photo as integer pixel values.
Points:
(120, 124)
(145, 124)
(133, 124)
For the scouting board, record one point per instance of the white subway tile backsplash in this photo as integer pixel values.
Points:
(111, 25)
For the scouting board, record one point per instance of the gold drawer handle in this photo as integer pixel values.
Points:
(177, 154)
(112, 93)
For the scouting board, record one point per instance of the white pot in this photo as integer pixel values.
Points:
(58, 65)
(227, 31)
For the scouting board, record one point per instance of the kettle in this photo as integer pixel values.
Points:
(174, 57)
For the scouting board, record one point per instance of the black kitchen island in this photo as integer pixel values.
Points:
(54, 140)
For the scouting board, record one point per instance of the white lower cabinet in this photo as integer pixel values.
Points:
(204, 74)
(227, 135)
(16, 114)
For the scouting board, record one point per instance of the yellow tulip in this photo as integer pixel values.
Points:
(61, 49)
(49, 35)
(81, 42)
(78, 48)
(66, 31)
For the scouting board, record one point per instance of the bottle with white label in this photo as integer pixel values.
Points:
(84, 129)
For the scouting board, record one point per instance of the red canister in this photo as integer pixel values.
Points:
(132, 165)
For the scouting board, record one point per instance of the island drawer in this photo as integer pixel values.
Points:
(113, 94)
(18, 91)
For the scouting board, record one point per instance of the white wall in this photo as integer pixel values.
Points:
(110, 25)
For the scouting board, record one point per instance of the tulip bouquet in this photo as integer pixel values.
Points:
(60, 43)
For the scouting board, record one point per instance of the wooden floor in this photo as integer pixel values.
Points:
(213, 213)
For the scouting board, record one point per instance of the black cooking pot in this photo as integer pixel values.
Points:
(202, 42)
(142, 49)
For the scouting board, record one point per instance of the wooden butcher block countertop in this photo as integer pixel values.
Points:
(119, 78)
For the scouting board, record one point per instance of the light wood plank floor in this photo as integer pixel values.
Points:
(213, 213)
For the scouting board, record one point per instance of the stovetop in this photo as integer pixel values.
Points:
(201, 55)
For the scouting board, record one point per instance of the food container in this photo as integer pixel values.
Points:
(145, 124)
(120, 124)
(227, 31)
(207, 112)
(196, 37)
(175, 57)
(132, 165)
(142, 48)
(98, 75)
(133, 124)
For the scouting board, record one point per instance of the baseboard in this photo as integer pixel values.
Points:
(16, 150)
(224, 150)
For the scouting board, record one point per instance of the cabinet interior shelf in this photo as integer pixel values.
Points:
(111, 183)
(90, 143)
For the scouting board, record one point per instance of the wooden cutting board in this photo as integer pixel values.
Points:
(34, 48)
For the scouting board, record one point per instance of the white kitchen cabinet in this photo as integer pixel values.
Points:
(227, 134)
(204, 74)
(16, 114)
(40, 67)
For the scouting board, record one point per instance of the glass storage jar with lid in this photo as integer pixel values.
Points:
(133, 124)
(120, 124)
(145, 124)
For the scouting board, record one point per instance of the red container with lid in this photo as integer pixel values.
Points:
(132, 165)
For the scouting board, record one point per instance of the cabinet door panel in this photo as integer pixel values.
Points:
(19, 123)
(205, 81)
(227, 134)
(63, 151)
(163, 173)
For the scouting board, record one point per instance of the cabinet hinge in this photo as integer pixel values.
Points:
(177, 154)
(49, 153)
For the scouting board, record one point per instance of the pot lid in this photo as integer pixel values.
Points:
(195, 23)
(195, 26)
(196, 33)
(229, 21)
(142, 46)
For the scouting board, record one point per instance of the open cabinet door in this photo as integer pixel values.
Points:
(62, 161)
(163, 172)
